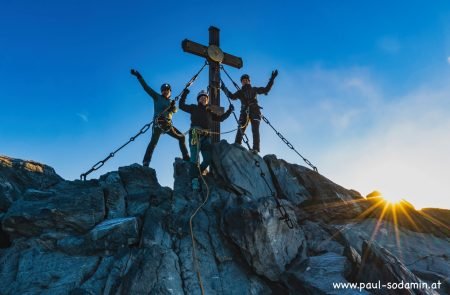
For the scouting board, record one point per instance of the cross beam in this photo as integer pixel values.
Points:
(215, 57)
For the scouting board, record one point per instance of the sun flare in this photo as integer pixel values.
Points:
(392, 199)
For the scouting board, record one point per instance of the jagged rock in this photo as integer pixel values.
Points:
(142, 188)
(218, 264)
(379, 265)
(116, 232)
(418, 251)
(317, 274)
(160, 269)
(264, 240)
(4, 237)
(27, 268)
(155, 228)
(403, 212)
(68, 206)
(287, 180)
(319, 240)
(241, 170)
(115, 195)
(321, 198)
(95, 284)
(355, 261)
(18, 175)
(107, 236)
(440, 216)
(125, 234)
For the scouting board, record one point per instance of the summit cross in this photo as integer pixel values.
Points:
(215, 57)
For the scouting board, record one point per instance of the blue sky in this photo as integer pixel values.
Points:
(363, 88)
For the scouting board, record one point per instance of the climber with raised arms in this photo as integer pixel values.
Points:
(164, 107)
(250, 110)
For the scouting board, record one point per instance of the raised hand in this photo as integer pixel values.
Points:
(135, 73)
(274, 74)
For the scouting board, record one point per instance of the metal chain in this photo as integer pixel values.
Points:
(102, 162)
(144, 129)
(278, 133)
(284, 216)
(289, 144)
(188, 84)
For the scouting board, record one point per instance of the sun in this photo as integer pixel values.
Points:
(392, 199)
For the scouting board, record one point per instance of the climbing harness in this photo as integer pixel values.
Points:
(268, 123)
(195, 132)
(144, 129)
(163, 123)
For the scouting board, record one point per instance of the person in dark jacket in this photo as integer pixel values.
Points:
(250, 110)
(164, 107)
(200, 131)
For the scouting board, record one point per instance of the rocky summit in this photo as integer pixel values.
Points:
(258, 226)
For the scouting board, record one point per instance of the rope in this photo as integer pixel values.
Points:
(194, 253)
(210, 132)
(144, 129)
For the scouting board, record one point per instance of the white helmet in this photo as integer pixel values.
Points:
(202, 93)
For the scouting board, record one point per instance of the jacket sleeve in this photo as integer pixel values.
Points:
(148, 89)
(227, 92)
(183, 106)
(265, 90)
(222, 117)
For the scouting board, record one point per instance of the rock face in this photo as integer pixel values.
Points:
(378, 264)
(259, 226)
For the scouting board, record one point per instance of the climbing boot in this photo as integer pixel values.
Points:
(195, 184)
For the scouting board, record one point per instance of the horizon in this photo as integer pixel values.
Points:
(362, 91)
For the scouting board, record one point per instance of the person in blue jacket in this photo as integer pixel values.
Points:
(164, 108)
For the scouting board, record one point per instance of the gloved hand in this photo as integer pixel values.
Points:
(136, 73)
(186, 91)
(274, 74)
(231, 108)
(172, 104)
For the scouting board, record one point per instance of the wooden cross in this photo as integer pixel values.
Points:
(215, 57)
